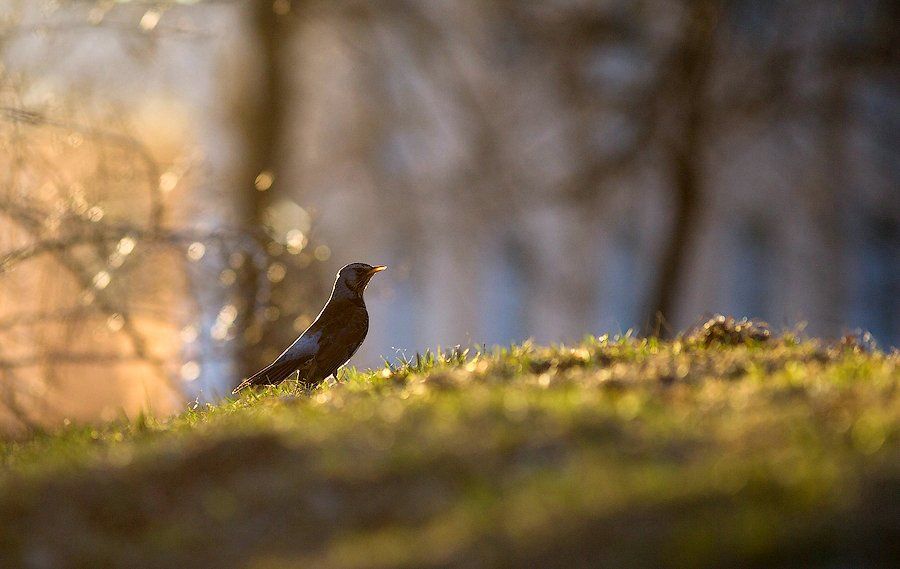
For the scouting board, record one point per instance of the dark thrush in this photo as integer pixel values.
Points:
(331, 340)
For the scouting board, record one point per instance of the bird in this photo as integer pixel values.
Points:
(333, 337)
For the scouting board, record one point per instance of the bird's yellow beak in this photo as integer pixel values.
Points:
(377, 269)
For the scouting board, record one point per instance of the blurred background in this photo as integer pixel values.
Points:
(182, 179)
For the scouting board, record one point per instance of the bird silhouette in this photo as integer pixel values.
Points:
(331, 340)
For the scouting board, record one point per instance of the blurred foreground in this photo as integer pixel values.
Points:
(724, 449)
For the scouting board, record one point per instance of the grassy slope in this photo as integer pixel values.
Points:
(616, 452)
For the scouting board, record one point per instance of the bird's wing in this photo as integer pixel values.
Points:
(342, 336)
(304, 346)
(300, 356)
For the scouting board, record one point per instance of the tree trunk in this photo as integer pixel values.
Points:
(685, 168)
(262, 123)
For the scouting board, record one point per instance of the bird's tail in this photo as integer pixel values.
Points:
(273, 373)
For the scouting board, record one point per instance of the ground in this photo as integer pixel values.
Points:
(722, 449)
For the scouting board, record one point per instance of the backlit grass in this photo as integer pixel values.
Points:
(708, 451)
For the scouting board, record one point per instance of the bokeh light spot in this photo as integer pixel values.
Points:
(322, 253)
(126, 245)
(150, 19)
(190, 371)
(168, 181)
(189, 333)
(228, 314)
(101, 280)
(219, 331)
(95, 213)
(264, 180)
(301, 322)
(276, 272)
(295, 240)
(196, 250)
(115, 322)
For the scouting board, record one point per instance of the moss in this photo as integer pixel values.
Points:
(615, 452)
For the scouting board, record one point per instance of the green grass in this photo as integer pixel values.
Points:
(616, 452)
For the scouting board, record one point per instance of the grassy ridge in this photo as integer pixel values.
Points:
(717, 450)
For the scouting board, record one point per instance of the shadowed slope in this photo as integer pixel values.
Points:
(624, 452)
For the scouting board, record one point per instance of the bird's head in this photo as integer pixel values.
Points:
(352, 279)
